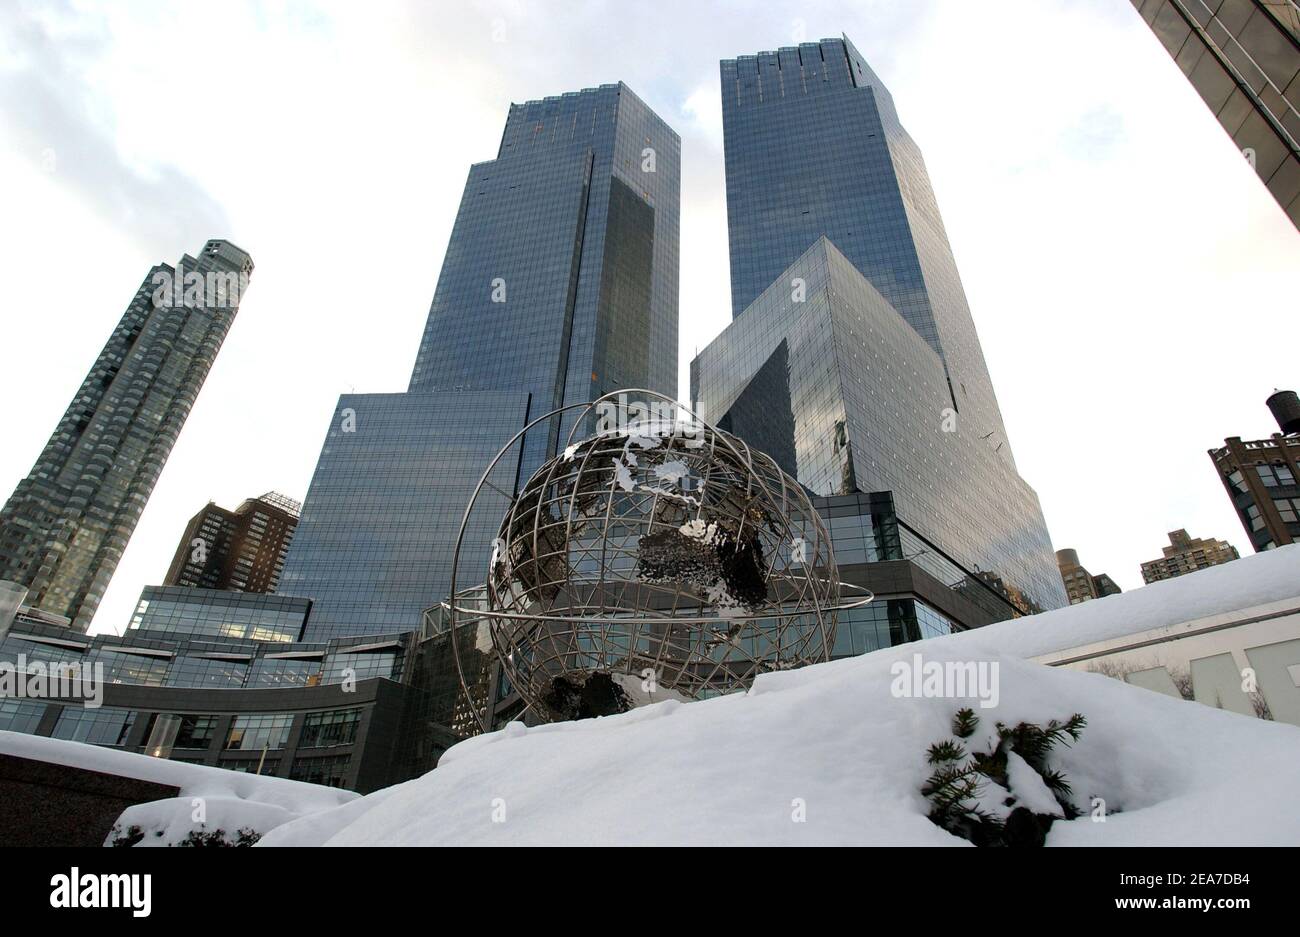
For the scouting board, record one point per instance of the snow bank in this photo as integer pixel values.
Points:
(1259, 579)
(829, 755)
(831, 743)
(228, 800)
(823, 755)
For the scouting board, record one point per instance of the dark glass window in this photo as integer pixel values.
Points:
(251, 733)
(330, 770)
(323, 730)
(102, 726)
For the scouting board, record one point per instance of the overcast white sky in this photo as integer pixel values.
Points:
(1134, 285)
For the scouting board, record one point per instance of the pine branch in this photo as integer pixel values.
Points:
(948, 788)
(943, 780)
(953, 788)
(945, 751)
(1056, 783)
(1075, 726)
(964, 723)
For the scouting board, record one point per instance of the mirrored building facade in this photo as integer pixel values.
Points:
(852, 358)
(848, 398)
(374, 544)
(814, 148)
(185, 610)
(560, 279)
(559, 283)
(331, 712)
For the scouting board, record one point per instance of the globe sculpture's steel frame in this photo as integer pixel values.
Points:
(664, 551)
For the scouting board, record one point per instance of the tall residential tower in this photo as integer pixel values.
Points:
(1186, 554)
(63, 531)
(241, 550)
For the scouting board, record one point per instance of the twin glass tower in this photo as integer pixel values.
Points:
(852, 358)
(560, 283)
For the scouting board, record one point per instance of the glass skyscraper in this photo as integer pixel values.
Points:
(815, 148)
(63, 531)
(852, 357)
(560, 279)
(559, 284)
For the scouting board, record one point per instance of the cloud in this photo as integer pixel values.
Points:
(1096, 135)
(60, 121)
(703, 109)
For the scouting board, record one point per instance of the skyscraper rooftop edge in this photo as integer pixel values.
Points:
(290, 505)
(620, 86)
(229, 243)
(797, 47)
(751, 65)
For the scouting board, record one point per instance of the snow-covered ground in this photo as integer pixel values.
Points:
(209, 799)
(831, 755)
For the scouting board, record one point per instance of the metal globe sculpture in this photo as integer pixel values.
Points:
(658, 558)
